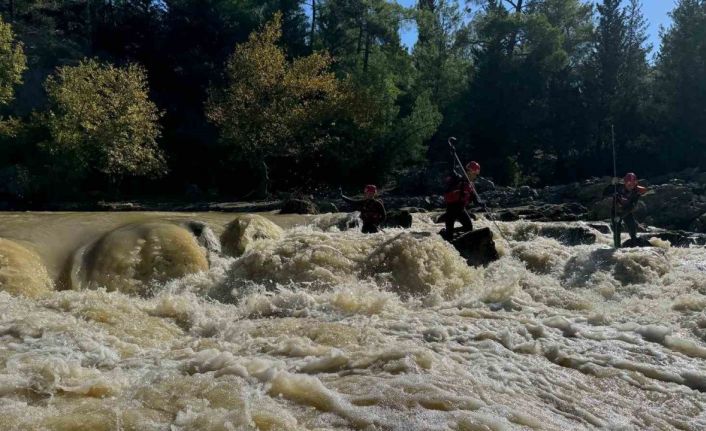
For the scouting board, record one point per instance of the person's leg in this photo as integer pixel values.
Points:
(465, 220)
(631, 224)
(617, 231)
(369, 228)
(450, 220)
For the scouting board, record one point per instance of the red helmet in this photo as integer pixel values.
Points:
(630, 178)
(473, 167)
(370, 188)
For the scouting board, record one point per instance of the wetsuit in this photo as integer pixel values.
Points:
(372, 212)
(625, 204)
(459, 193)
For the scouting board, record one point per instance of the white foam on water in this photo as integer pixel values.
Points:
(319, 328)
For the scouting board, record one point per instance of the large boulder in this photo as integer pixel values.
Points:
(22, 272)
(477, 247)
(245, 230)
(136, 258)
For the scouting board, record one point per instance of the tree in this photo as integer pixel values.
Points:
(12, 63)
(272, 107)
(681, 88)
(616, 83)
(102, 120)
(519, 55)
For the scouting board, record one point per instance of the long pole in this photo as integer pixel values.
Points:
(615, 164)
(615, 221)
(457, 160)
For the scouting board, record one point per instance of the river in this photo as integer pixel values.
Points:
(175, 321)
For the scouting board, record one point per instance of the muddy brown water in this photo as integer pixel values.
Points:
(313, 328)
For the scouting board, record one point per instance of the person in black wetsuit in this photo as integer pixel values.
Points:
(459, 193)
(372, 210)
(626, 198)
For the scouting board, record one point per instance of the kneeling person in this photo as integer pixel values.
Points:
(372, 210)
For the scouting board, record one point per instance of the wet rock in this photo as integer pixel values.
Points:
(22, 272)
(527, 192)
(136, 258)
(545, 212)
(637, 242)
(484, 185)
(398, 218)
(298, 206)
(204, 235)
(326, 207)
(569, 235)
(441, 218)
(675, 238)
(508, 215)
(245, 230)
(477, 247)
(350, 221)
(603, 228)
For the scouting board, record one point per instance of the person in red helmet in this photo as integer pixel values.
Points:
(372, 210)
(459, 193)
(626, 198)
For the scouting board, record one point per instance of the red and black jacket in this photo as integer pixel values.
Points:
(459, 190)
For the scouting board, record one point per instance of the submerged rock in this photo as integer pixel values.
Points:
(133, 258)
(22, 272)
(245, 230)
(569, 235)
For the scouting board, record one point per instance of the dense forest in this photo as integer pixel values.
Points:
(235, 98)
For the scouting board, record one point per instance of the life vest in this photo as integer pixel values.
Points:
(372, 211)
(458, 190)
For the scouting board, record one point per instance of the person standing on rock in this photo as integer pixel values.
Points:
(459, 193)
(372, 210)
(625, 201)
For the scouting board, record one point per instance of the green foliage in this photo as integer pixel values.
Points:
(12, 63)
(101, 119)
(681, 87)
(530, 87)
(271, 106)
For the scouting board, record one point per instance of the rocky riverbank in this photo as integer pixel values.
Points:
(674, 202)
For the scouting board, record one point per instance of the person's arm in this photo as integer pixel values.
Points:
(350, 200)
(382, 211)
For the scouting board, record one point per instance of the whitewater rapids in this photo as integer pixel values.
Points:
(198, 322)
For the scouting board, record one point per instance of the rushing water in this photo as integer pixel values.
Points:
(149, 322)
